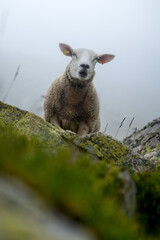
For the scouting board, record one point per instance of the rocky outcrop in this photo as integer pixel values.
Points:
(97, 195)
(146, 141)
(100, 145)
(77, 176)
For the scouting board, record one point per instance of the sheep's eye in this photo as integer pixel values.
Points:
(95, 59)
(73, 54)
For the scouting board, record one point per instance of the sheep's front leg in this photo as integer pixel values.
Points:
(83, 129)
(54, 121)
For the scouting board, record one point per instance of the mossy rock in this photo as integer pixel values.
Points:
(146, 141)
(100, 196)
(30, 125)
(100, 145)
(91, 194)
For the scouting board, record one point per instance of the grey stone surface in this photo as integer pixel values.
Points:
(23, 215)
(146, 141)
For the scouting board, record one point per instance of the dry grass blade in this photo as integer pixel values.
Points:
(106, 127)
(135, 132)
(130, 126)
(13, 81)
(121, 124)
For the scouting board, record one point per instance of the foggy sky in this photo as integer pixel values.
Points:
(129, 86)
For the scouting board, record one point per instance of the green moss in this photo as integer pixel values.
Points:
(68, 180)
(148, 201)
(148, 149)
(10, 114)
(32, 126)
(42, 131)
(101, 146)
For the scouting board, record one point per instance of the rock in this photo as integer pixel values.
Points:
(129, 193)
(93, 194)
(25, 216)
(31, 125)
(50, 160)
(146, 141)
(106, 148)
(100, 145)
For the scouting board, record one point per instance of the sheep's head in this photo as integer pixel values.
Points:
(83, 61)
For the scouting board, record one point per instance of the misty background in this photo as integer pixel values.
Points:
(129, 86)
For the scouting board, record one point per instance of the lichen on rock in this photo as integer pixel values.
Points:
(31, 125)
(95, 179)
(146, 141)
(100, 145)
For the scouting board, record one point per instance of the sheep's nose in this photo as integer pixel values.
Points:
(85, 66)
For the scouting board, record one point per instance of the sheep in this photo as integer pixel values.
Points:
(71, 101)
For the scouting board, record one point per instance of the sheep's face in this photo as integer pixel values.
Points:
(83, 61)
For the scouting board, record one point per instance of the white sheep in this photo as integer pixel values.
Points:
(71, 101)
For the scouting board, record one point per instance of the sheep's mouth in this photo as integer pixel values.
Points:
(82, 73)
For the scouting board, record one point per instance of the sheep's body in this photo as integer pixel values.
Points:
(72, 104)
(71, 101)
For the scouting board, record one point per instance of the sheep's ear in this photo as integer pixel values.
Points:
(104, 58)
(66, 49)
